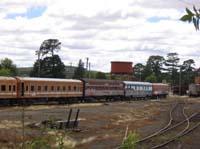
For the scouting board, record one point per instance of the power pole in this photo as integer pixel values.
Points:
(38, 52)
(89, 70)
(87, 61)
(180, 80)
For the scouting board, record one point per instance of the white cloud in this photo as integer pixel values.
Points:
(103, 30)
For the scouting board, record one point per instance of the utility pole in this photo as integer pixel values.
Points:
(89, 70)
(71, 73)
(180, 80)
(87, 61)
(38, 52)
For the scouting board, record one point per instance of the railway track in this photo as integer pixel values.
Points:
(179, 125)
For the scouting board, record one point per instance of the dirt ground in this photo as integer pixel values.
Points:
(101, 125)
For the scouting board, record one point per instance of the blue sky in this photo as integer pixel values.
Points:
(102, 30)
(33, 12)
(157, 19)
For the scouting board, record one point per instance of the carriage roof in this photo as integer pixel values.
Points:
(48, 79)
(136, 83)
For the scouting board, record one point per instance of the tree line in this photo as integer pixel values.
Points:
(157, 68)
(169, 70)
(48, 64)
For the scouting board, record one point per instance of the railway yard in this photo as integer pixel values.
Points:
(164, 123)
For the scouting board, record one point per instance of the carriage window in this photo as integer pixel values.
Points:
(32, 88)
(64, 88)
(10, 88)
(39, 88)
(27, 88)
(58, 88)
(74, 88)
(13, 88)
(52, 88)
(46, 88)
(69, 88)
(3, 88)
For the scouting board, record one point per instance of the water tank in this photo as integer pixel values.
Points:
(118, 67)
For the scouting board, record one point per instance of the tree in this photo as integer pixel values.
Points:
(172, 63)
(5, 72)
(49, 46)
(155, 65)
(80, 71)
(188, 71)
(192, 16)
(51, 67)
(100, 75)
(8, 68)
(152, 78)
(138, 71)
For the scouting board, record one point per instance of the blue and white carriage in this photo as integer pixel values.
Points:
(137, 89)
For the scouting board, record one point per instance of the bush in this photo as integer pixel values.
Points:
(130, 141)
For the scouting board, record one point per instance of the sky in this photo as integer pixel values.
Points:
(102, 30)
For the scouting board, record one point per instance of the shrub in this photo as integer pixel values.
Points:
(130, 141)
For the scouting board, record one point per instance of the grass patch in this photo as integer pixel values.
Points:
(130, 141)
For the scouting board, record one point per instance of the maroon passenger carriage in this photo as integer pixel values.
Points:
(102, 89)
(160, 90)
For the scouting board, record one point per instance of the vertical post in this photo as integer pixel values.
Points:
(87, 60)
(180, 80)
(71, 69)
(23, 126)
(68, 120)
(89, 70)
(39, 65)
(38, 53)
(77, 113)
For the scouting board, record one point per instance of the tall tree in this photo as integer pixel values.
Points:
(80, 71)
(138, 71)
(172, 67)
(49, 46)
(155, 65)
(51, 67)
(188, 71)
(8, 68)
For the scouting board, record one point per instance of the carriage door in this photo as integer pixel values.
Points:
(22, 89)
